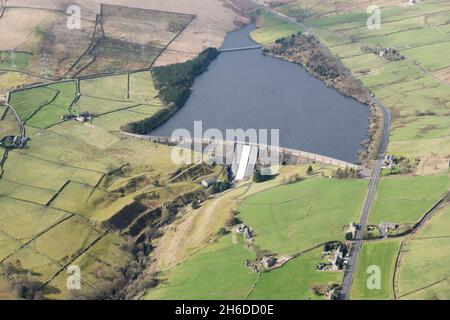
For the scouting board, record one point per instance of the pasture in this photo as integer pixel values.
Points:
(115, 55)
(28, 102)
(25, 220)
(430, 57)
(216, 272)
(428, 127)
(113, 87)
(50, 190)
(407, 199)
(271, 28)
(295, 279)
(381, 255)
(51, 114)
(14, 61)
(292, 218)
(423, 271)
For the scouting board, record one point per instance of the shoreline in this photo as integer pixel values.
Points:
(357, 92)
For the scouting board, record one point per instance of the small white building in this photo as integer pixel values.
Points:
(208, 182)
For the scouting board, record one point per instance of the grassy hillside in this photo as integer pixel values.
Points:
(217, 272)
(285, 219)
(58, 190)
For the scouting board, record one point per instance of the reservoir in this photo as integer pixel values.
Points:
(246, 89)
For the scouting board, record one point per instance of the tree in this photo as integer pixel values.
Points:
(195, 204)
(342, 174)
(232, 218)
(174, 83)
(27, 288)
(259, 177)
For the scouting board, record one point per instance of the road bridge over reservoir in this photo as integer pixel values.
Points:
(284, 153)
(240, 48)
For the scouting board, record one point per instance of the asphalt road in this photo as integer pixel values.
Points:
(348, 275)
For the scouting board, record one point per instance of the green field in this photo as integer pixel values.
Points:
(407, 199)
(113, 87)
(271, 28)
(430, 56)
(51, 114)
(86, 133)
(217, 272)
(293, 218)
(100, 106)
(27, 102)
(142, 88)
(424, 272)
(429, 127)
(10, 60)
(380, 254)
(294, 280)
(285, 219)
(26, 220)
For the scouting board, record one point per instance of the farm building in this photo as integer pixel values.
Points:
(13, 142)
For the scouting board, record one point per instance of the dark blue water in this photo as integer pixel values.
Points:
(245, 89)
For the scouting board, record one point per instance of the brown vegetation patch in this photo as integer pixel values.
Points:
(443, 74)
(44, 34)
(213, 21)
(143, 26)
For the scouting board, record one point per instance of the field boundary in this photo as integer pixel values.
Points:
(39, 108)
(64, 267)
(2, 162)
(193, 17)
(27, 243)
(3, 9)
(396, 269)
(57, 193)
(423, 288)
(253, 287)
(409, 236)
